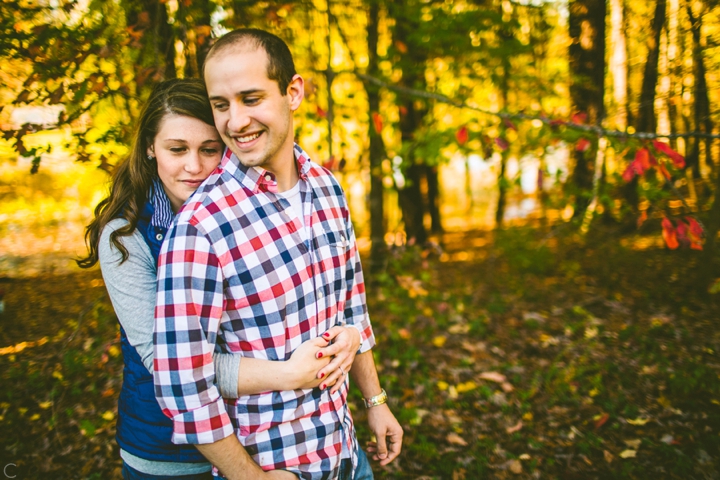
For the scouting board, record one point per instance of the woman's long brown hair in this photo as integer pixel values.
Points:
(133, 177)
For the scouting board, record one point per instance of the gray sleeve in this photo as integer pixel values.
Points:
(131, 286)
(227, 366)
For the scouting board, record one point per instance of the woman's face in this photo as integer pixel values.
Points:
(187, 151)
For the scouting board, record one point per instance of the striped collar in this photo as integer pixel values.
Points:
(162, 210)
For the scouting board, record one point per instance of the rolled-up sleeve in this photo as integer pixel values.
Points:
(188, 312)
(356, 313)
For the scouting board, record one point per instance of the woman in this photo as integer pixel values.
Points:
(175, 149)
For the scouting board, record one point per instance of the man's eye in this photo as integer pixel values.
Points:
(251, 100)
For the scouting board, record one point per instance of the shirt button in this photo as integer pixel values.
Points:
(268, 178)
(159, 236)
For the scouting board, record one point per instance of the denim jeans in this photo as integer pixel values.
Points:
(363, 470)
(129, 473)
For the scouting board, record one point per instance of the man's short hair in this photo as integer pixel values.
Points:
(280, 66)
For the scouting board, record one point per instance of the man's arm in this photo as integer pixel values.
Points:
(382, 422)
(229, 456)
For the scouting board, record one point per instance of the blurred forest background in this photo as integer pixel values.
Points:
(534, 186)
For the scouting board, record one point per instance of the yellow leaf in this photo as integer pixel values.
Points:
(591, 332)
(455, 439)
(57, 374)
(114, 351)
(452, 392)
(528, 417)
(108, 415)
(638, 421)
(594, 392)
(628, 454)
(524, 456)
(439, 341)
(466, 387)
(442, 385)
(35, 417)
(634, 444)
(428, 312)
(45, 405)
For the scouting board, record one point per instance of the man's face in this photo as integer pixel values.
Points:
(253, 118)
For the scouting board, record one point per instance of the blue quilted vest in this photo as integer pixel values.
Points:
(142, 428)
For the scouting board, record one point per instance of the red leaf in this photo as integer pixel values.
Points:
(642, 157)
(462, 136)
(502, 143)
(580, 118)
(669, 234)
(329, 163)
(377, 122)
(695, 227)
(401, 46)
(403, 110)
(321, 113)
(509, 124)
(664, 171)
(676, 158)
(601, 421)
(682, 231)
(642, 218)
(582, 145)
(629, 172)
(696, 233)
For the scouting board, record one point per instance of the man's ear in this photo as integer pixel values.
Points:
(296, 92)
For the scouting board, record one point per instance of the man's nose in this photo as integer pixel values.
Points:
(239, 117)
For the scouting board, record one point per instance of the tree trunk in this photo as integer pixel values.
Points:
(194, 20)
(703, 123)
(433, 196)
(156, 57)
(412, 64)
(587, 70)
(504, 92)
(618, 61)
(646, 121)
(378, 249)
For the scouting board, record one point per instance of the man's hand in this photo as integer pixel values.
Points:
(346, 342)
(388, 433)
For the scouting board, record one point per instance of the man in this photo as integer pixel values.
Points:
(261, 258)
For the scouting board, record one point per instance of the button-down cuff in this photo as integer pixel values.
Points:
(207, 424)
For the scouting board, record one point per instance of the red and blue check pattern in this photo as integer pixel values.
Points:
(234, 275)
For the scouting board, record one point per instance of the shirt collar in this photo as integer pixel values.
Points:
(259, 179)
(162, 215)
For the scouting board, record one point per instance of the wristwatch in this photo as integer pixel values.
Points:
(376, 400)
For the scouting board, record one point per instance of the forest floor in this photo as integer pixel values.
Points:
(524, 353)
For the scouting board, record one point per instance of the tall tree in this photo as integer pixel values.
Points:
(413, 59)
(587, 86)
(378, 247)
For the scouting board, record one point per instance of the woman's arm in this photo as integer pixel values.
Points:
(131, 286)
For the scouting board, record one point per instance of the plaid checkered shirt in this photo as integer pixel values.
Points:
(235, 275)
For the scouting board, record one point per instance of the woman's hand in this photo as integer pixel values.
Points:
(345, 344)
(304, 364)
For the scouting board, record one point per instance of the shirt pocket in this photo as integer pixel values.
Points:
(333, 248)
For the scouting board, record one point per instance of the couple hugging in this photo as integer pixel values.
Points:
(231, 262)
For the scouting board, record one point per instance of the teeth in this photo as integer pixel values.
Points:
(247, 138)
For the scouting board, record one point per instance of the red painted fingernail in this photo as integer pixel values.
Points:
(326, 334)
(319, 355)
(322, 387)
(322, 375)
